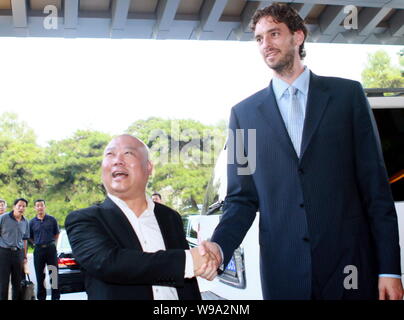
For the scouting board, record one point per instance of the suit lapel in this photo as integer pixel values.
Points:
(270, 111)
(317, 102)
(119, 225)
(165, 227)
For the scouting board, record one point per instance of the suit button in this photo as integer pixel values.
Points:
(301, 171)
(306, 239)
(301, 205)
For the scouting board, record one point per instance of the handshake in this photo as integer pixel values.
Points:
(206, 258)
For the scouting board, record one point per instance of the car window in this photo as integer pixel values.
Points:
(390, 123)
(64, 242)
(193, 229)
(217, 186)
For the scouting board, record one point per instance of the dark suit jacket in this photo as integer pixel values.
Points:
(115, 267)
(319, 213)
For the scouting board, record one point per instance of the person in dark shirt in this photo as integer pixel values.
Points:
(44, 233)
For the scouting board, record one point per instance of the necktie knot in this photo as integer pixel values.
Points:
(292, 91)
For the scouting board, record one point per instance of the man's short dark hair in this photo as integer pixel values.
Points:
(39, 200)
(21, 199)
(282, 13)
(156, 194)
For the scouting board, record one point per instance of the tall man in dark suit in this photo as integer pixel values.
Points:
(328, 226)
(129, 246)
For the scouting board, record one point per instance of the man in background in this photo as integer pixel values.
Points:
(156, 197)
(14, 233)
(3, 206)
(44, 233)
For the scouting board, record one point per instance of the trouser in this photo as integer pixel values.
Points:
(42, 257)
(11, 263)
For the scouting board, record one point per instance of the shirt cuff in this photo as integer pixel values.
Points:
(386, 275)
(221, 252)
(189, 265)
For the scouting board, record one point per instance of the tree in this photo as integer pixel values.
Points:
(67, 173)
(183, 153)
(72, 172)
(20, 157)
(380, 73)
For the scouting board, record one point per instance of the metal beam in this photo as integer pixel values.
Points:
(243, 32)
(396, 4)
(396, 24)
(369, 18)
(303, 9)
(211, 13)
(71, 10)
(331, 18)
(19, 11)
(120, 9)
(166, 11)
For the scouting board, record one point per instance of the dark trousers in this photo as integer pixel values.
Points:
(11, 263)
(43, 257)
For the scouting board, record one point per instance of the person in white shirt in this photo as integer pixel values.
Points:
(129, 246)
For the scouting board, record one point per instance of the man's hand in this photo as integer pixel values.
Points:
(205, 265)
(211, 247)
(390, 289)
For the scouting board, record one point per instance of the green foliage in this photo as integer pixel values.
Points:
(183, 153)
(71, 174)
(67, 173)
(380, 73)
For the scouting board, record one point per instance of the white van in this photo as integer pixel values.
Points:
(241, 278)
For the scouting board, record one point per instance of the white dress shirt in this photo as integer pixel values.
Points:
(149, 234)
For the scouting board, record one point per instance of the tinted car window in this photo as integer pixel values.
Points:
(390, 123)
(193, 233)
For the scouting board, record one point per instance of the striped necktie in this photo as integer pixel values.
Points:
(295, 120)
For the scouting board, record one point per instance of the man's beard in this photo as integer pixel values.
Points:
(285, 65)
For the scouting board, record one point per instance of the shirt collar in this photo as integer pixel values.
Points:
(44, 217)
(122, 204)
(11, 214)
(301, 83)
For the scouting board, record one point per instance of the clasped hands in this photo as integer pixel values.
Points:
(207, 259)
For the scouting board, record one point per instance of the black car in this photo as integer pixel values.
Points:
(70, 277)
